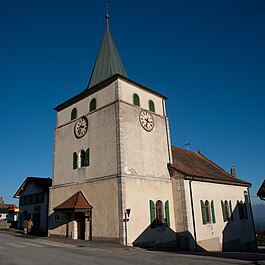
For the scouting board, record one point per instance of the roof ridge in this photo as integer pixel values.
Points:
(214, 164)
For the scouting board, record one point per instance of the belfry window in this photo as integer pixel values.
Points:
(151, 105)
(92, 104)
(73, 114)
(136, 100)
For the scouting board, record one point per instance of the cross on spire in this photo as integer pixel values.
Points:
(107, 15)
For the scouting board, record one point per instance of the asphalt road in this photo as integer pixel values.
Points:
(19, 250)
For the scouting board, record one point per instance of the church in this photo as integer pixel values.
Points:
(116, 176)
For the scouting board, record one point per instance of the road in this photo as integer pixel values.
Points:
(20, 250)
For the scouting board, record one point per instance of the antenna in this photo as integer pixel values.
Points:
(187, 146)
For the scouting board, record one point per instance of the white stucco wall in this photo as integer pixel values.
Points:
(139, 192)
(212, 236)
(100, 139)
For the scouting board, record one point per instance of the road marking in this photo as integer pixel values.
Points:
(33, 245)
(16, 245)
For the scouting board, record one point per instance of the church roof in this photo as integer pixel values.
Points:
(108, 62)
(199, 167)
(100, 86)
(76, 203)
(261, 191)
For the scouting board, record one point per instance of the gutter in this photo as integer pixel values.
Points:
(193, 218)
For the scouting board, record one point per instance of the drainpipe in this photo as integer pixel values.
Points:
(252, 219)
(193, 219)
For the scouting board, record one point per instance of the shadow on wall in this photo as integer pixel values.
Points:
(163, 237)
(239, 233)
(55, 223)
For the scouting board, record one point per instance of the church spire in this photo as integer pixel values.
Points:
(108, 61)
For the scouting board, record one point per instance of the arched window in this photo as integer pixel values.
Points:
(159, 213)
(93, 104)
(151, 105)
(73, 114)
(227, 210)
(82, 158)
(136, 100)
(87, 158)
(75, 164)
(208, 213)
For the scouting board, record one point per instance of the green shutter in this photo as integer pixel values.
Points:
(223, 210)
(83, 155)
(152, 213)
(151, 106)
(93, 104)
(213, 213)
(231, 211)
(73, 114)
(74, 160)
(136, 100)
(167, 213)
(204, 220)
(87, 160)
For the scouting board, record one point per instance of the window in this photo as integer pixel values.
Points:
(208, 213)
(227, 210)
(82, 158)
(93, 104)
(159, 216)
(242, 210)
(73, 114)
(159, 213)
(75, 160)
(151, 105)
(57, 217)
(136, 100)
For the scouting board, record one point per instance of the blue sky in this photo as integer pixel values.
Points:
(207, 57)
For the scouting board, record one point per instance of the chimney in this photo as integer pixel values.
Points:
(233, 172)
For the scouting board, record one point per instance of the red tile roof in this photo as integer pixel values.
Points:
(197, 165)
(76, 203)
(261, 192)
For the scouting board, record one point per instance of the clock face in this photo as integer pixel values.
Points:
(81, 127)
(146, 120)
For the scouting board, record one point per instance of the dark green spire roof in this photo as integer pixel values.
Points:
(108, 61)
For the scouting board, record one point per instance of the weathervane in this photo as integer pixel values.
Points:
(187, 146)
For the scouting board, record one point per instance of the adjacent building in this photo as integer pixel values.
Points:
(117, 177)
(261, 191)
(33, 197)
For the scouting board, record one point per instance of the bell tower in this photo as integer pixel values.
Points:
(112, 144)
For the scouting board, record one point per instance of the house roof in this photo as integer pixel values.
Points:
(3, 208)
(44, 183)
(76, 203)
(108, 62)
(199, 167)
(261, 191)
